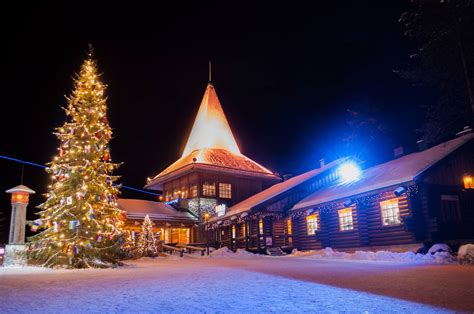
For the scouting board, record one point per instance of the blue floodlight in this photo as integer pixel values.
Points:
(349, 171)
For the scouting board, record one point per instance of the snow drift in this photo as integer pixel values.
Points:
(329, 253)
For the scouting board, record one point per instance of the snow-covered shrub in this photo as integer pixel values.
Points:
(466, 254)
(439, 247)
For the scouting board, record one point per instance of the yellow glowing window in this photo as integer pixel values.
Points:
(233, 231)
(193, 191)
(345, 219)
(312, 224)
(390, 212)
(225, 190)
(244, 229)
(289, 226)
(209, 189)
(468, 182)
(260, 226)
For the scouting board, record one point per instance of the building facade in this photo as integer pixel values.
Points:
(424, 197)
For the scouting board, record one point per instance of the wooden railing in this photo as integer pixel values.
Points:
(191, 248)
(172, 249)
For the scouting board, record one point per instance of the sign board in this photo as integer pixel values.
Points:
(221, 209)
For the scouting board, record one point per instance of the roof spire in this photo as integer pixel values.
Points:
(210, 128)
(210, 72)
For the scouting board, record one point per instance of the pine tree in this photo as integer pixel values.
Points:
(444, 33)
(146, 245)
(81, 221)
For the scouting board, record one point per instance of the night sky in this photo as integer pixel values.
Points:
(285, 74)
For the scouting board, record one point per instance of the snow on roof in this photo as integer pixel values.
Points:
(276, 190)
(211, 142)
(138, 209)
(213, 157)
(394, 172)
(21, 188)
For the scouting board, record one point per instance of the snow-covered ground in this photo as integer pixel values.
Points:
(241, 283)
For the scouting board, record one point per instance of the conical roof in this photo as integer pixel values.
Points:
(211, 145)
(210, 128)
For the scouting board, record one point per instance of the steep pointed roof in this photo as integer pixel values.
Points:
(211, 129)
(211, 146)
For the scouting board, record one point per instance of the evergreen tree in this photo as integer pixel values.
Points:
(81, 221)
(444, 33)
(146, 245)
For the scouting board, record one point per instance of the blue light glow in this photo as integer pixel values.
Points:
(349, 171)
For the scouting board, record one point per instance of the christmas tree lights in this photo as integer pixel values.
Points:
(80, 217)
(146, 245)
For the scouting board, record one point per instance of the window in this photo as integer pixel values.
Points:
(345, 219)
(244, 228)
(209, 189)
(468, 182)
(225, 190)
(450, 212)
(233, 231)
(289, 226)
(260, 226)
(193, 191)
(390, 212)
(184, 192)
(312, 224)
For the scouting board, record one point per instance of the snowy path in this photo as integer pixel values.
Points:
(235, 285)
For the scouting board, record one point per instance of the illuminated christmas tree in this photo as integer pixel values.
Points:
(81, 221)
(146, 245)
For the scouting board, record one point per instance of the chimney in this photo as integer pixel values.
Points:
(398, 151)
(466, 130)
(321, 162)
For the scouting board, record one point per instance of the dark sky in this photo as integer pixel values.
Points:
(285, 75)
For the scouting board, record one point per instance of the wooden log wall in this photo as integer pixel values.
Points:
(332, 236)
(302, 240)
(388, 235)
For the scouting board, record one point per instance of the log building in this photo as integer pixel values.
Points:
(423, 197)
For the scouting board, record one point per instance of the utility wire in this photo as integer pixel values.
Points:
(42, 166)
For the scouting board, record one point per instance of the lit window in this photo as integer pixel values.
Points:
(390, 212)
(184, 192)
(312, 224)
(209, 189)
(260, 226)
(290, 226)
(233, 231)
(193, 191)
(468, 182)
(225, 190)
(244, 234)
(345, 219)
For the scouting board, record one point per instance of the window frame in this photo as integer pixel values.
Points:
(209, 186)
(383, 207)
(341, 214)
(316, 224)
(223, 188)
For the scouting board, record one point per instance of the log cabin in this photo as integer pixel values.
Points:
(423, 197)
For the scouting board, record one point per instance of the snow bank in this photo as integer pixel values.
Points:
(439, 247)
(466, 254)
(222, 252)
(436, 258)
(225, 252)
